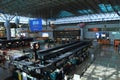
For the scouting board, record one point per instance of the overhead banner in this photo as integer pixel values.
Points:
(35, 25)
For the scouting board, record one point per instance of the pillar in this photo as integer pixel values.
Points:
(8, 31)
(82, 35)
(17, 24)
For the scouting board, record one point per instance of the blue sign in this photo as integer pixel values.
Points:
(35, 25)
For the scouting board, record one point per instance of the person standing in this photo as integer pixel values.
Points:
(119, 48)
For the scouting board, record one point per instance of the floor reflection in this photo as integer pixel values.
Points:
(106, 65)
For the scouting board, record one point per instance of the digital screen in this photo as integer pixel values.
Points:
(45, 35)
(101, 35)
(35, 25)
(97, 35)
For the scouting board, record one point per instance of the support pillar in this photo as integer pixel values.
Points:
(46, 23)
(8, 32)
(17, 25)
(82, 34)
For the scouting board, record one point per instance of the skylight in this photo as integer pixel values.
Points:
(65, 14)
(109, 7)
(117, 7)
(89, 18)
(88, 11)
(102, 7)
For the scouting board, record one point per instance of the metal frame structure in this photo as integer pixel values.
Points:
(52, 8)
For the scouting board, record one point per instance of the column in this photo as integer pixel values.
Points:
(17, 25)
(82, 35)
(8, 32)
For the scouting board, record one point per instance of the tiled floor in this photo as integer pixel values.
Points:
(106, 65)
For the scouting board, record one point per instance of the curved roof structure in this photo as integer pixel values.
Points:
(58, 8)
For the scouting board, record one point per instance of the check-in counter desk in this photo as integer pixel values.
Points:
(104, 41)
(116, 42)
(4, 44)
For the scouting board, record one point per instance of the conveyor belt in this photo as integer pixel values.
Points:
(54, 58)
(67, 54)
(59, 51)
(55, 48)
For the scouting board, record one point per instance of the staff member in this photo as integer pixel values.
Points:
(36, 46)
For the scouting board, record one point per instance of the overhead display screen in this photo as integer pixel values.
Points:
(35, 25)
(45, 35)
(102, 35)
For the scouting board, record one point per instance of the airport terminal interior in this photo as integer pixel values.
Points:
(59, 39)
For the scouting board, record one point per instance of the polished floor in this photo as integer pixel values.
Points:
(105, 66)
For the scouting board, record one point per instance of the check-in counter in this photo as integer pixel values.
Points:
(104, 41)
